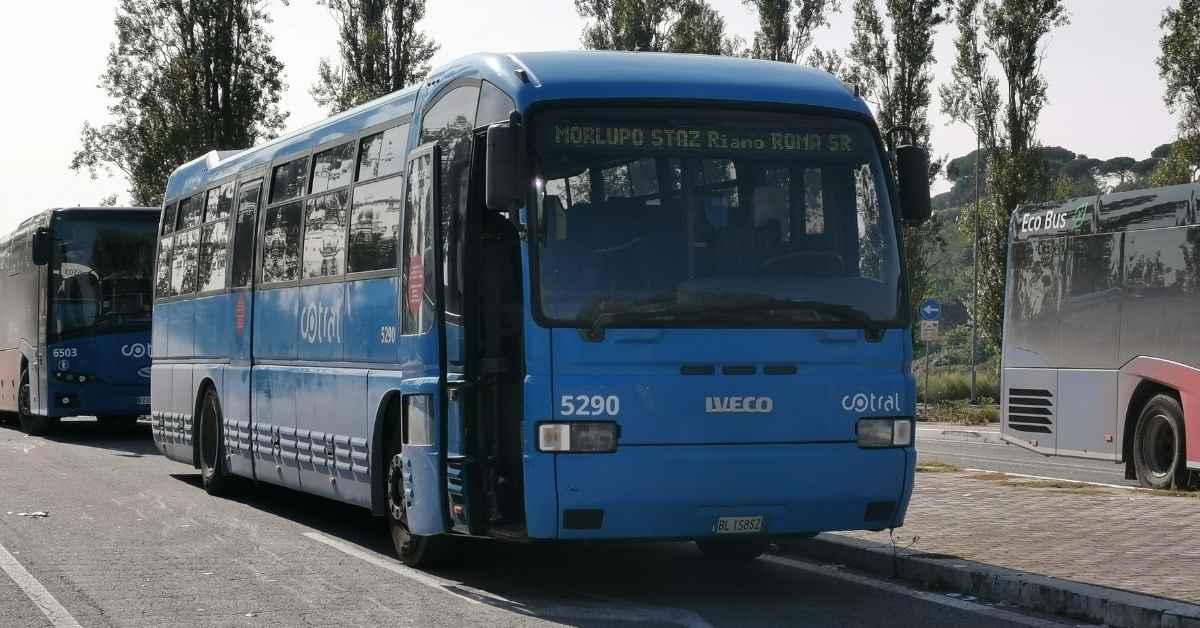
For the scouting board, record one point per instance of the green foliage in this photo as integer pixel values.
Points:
(183, 78)
(1177, 168)
(654, 26)
(783, 35)
(381, 51)
(1008, 34)
(1179, 65)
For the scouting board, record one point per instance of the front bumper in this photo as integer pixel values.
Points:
(647, 492)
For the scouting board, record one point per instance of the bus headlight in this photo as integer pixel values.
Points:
(588, 437)
(888, 432)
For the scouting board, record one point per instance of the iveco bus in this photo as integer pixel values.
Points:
(555, 296)
(1101, 346)
(75, 307)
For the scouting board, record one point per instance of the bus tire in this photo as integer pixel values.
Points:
(211, 446)
(1158, 444)
(413, 550)
(30, 424)
(733, 550)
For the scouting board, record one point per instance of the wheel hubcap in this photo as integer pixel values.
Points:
(1158, 447)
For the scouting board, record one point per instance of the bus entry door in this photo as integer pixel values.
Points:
(423, 453)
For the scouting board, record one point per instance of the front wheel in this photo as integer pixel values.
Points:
(1158, 445)
(413, 550)
(212, 452)
(732, 550)
(30, 424)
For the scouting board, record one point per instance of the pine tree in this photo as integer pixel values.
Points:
(183, 78)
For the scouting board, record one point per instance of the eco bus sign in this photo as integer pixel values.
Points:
(1053, 220)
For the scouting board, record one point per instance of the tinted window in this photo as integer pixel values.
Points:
(168, 218)
(220, 203)
(243, 245)
(383, 153)
(374, 223)
(183, 263)
(333, 168)
(325, 235)
(162, 283)
(287, 181)
(281, 243)
(494, 105)
(214, 248)
(452, 117)
(190, 210)
(418, 253)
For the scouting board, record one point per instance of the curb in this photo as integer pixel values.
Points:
(963, 433)
(1043, 594)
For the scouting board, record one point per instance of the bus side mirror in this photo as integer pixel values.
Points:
(504, 178)
(912, 165)
(41, 246)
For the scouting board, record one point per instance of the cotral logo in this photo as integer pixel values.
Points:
(135, 350)
(870, 402)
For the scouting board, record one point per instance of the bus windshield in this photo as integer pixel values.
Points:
(101, 273)
(653, 217)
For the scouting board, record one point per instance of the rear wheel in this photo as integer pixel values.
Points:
(414, 550)
(1158, 444)
(211, 445)
(733, 550)
(30, 424)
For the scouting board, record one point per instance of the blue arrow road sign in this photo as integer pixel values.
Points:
(930, 309)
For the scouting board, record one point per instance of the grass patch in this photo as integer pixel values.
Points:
(955, 385)
(959, 412)
(934, 466)
(1017, 482)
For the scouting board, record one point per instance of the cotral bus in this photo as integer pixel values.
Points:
(1101, 343)
(578, 295)
(76, 289)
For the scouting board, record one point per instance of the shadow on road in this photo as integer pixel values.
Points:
(580, 584)
(132, 442)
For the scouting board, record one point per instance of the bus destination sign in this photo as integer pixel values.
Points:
(601, 136)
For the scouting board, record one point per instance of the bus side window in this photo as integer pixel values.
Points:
(418, 238)
(374, 224)
(243, 235)
(450, 122)
(162, 283)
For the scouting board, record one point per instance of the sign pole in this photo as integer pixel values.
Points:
(927, 378)
(930, 310)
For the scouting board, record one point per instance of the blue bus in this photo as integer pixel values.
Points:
(555, 296)
(77, 291)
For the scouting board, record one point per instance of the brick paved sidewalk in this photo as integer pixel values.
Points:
(1127, 539)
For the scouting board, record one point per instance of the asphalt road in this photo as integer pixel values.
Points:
(131, 539)
(981, 448)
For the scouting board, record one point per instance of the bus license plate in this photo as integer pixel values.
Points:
(143, 401)
(739, 525)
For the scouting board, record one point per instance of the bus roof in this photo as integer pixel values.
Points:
(534, 77)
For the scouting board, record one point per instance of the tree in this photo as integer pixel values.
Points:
(1179, 68)
(896, 76)
(1009, 34)
(1178, 167)
(108, 201)
(785, 36)
(381, 51)
(184, 78)
(654, 26)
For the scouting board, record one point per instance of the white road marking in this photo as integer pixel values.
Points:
(829, 571)
(58, 616)
(1043, 477)
(601, 609)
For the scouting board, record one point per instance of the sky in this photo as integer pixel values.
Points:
(1105, 97)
